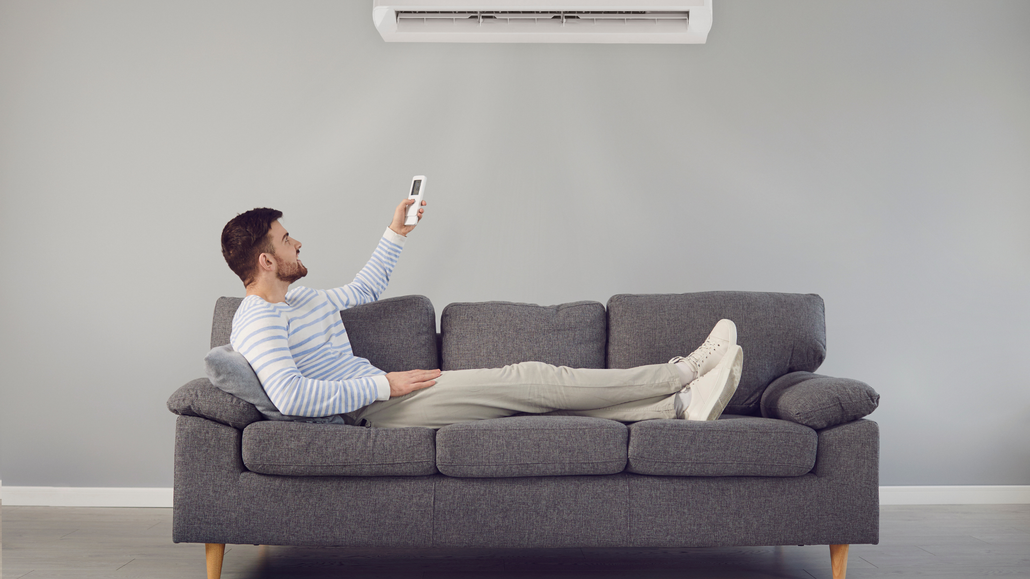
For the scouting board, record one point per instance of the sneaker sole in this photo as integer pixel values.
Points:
(729, 376)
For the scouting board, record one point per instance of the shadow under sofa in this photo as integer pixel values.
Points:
(791, 462)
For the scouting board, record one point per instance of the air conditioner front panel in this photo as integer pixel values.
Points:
(621, 23)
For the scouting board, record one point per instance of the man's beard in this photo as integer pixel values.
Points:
(289, 273)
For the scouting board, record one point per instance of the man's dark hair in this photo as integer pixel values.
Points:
(245, 237)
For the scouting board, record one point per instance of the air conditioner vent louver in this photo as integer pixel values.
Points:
(544, 22)
(676, 22)
(537, 16)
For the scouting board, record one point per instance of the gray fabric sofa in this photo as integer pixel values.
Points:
(791, 462)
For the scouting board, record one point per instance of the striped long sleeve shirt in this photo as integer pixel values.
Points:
(300, 350)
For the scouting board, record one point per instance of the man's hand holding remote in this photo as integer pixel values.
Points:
(401, 213)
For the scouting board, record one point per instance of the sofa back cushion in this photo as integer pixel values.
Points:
(394, 334)
(780, 333)
(221, 323)
(495, 334)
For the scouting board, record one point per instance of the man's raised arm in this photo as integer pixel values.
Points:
(372, 280)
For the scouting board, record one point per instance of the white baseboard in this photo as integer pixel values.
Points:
(955, 495)
(162, 497)
(86, 497)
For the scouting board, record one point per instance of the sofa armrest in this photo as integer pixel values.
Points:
(818, 401)
(200, 398)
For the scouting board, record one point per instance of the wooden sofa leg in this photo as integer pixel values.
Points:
(839, 560)
(214, 552)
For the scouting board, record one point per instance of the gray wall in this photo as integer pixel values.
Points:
(873, 152)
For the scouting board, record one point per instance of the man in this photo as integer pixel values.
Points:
(296, 343)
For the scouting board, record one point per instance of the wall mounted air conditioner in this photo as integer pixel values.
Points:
(597, 21)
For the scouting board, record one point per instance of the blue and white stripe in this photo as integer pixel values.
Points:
(300, 349)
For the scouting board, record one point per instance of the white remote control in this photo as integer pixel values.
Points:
(418, 189)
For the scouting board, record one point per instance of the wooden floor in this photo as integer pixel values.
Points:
(85, 543)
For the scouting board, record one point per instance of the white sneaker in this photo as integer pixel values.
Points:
(710, 393)
(702, 360)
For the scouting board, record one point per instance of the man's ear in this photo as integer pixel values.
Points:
(265, 262)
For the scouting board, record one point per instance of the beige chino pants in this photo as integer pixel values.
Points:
(629, 395)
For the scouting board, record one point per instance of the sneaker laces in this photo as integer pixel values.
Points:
(696, 358)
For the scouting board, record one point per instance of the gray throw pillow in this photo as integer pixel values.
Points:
(230, 372)
(199, 398)
(818, 401)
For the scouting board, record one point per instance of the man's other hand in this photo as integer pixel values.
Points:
(401, 213)
(402, 383)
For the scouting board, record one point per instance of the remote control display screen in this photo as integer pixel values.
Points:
(415, 185)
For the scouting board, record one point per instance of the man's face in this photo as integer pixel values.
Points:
(289, 267)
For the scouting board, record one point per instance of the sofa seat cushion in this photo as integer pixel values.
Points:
(303, 449)
(730, 446)
(532, 446)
